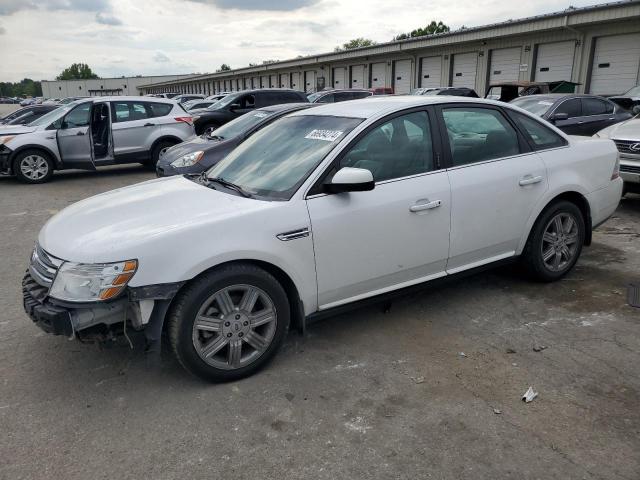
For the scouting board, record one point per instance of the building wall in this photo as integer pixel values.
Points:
(78, 88)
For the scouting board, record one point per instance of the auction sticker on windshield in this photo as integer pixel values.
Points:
(326, 135)
(260, 115)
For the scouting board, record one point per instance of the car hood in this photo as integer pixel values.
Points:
(16, 129)
(628, 130)
(150, 218)
(213, 150)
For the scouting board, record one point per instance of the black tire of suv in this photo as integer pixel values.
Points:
(155, 153)
(25, 153)
(187, 303)
(532, 255)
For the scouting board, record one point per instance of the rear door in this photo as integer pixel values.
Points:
(597, 114)
(496, 180)
(74, 138)
(573, 108)
(131, 128)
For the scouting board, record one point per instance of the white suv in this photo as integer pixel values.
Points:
(93, 132)
(322, 209)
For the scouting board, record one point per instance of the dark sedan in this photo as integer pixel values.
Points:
(239, 103)
(201, 153)
(574, 114)
(27, 115)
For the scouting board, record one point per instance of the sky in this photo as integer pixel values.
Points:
(39, 38)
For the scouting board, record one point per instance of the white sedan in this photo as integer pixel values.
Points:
(324, 208)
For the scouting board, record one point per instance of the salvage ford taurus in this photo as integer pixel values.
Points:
(323, 208)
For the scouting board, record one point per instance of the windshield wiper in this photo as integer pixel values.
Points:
(232, 186)
(214, 137)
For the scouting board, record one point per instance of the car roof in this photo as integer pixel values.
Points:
(376, 105)
(125, 98)
(283, 107)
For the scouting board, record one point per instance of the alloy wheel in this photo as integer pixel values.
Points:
(559, 242)
(34, 167)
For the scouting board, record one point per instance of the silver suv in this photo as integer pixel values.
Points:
(90, 133)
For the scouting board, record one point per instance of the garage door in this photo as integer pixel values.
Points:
(430, 71)
(339, 80)
(295, 80)
(555, 61)
(616, 64)
(378, 78)
(255, 82)
(264, 81)
(357, 76)
(402, 76)
(505, 65)
(284, 80)
(310, 81)
(465, 67)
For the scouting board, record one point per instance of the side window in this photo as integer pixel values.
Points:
(343, 96)
(571, 107)
(398, 148)
(541, 136)
(159, 109)
(138, 112)
(120, 112)
(329, 98)
(78, 117)
(479, 134)
(248, 101)
(593, 106)
(357, 95)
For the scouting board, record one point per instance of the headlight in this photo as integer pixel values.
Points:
(188, 160)
(6, 139)
(81, 282)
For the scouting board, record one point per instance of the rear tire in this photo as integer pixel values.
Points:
(157, 151)
(229, 323)
(555, 242)
(33, 166)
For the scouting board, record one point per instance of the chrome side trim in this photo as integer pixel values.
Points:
(293, 234)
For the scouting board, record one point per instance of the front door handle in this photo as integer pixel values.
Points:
(529, 180)
(80, 134)
(419, 207)
(149, 124)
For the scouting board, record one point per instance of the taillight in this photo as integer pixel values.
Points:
(616, 169)
(188, 120)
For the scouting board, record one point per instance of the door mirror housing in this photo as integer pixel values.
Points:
(349, 179)
(558, 117)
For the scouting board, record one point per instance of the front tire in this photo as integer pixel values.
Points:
(555, 242)
(33, 166)
(229, 322)
(157, 150)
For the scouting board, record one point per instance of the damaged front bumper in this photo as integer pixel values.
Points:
(142, 308)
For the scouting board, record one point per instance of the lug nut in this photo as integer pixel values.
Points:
(237, 317)
(228, 334)
(241, 334)
(226, 324)
(245, 323)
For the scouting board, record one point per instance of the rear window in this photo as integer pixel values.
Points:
(540, 135)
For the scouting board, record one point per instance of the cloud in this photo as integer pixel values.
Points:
(161, 57)
(274, 5)
(7, 7)
(2, 30)
(106, 19)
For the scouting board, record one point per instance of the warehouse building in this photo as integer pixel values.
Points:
(103, 86)
(597, 47)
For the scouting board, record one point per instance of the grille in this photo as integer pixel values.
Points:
(630, 168)
(624, 146)
(43, 267)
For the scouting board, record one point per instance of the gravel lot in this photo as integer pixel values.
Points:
(365, 395)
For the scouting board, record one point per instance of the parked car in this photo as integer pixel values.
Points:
(187, 97)
(218, 96)
(626, 136)
(90, 133)
(197, 104)
(422, 90)
(163, 95)
(201, 153)
(27, 115)
(629, 99)
(452, 91)
(507, 91)
(68, 100)
(27, 101)
(338, 95)
(381, 90)
(574, 114)
(239, 103)
(319, 210)
(8, 100)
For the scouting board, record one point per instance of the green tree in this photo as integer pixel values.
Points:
(431, 29)
(224, 68)
(355, 43)
(25, 87)
(77, 71)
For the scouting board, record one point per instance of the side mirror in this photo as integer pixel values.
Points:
(349, 179)
(636, 110)
(234, 106)
(558, 117)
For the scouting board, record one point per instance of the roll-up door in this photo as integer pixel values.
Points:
(616, 64)
(284, 80)
(295, 81)
(505, 65)
(402, 76)
(339, 80)
(430, 71)
(554, 61)
(264, 81)
(310, 81)
(465, 68)
(378, 75)
(357, 76)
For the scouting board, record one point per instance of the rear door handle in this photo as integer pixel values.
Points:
(529, 180)
(149, 124)
(419, 207)
(80, 134)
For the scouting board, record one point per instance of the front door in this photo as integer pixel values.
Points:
(74, 138)
(396, 235)
(573, 124)
(496, 181)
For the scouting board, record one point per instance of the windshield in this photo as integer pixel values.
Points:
(242, 124)
(314, 96)
(537, 106)
(275, 161)
(435, 91)
(634, 92)
(228, 100)
(53, 115)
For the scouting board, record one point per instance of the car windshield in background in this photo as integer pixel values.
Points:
(241, 124)
(537, 106)
(53, 115)
(314, 96)
(634, 92)
(228, 100)
(275, 161)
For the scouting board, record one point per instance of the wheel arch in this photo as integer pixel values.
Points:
(22, 148)
(163, 138)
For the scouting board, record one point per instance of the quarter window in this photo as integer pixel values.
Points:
(479, 134)
(541, 136)
(398, 148)
(159, 109)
